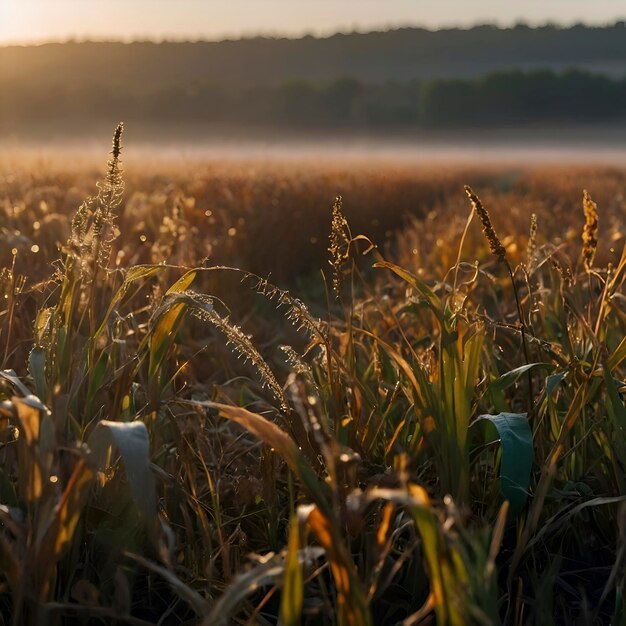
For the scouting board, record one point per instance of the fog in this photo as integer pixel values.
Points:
(580, 145)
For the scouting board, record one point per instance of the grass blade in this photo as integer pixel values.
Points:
(132, 442)
(293, 587)
(516, 443)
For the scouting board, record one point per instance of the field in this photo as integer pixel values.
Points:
(229, 395)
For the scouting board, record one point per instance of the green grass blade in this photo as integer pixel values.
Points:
(132, 443)
(516, 442)
(293, 587)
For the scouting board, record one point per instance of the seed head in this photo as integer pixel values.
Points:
(339, 244)
(532, 241)
(114, 172)
(590, 230)
(117, 148)
(495, 245)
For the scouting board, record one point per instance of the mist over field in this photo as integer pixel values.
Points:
(578, 145)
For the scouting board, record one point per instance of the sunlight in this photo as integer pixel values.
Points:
(20, 22)
(44, 20)
(261, 357)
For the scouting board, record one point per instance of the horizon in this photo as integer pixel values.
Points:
(32, 22)
(298, 36)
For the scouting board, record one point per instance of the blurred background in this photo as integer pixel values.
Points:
(400, 75)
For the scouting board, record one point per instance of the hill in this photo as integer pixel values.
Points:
(264, 81)
(400, 55)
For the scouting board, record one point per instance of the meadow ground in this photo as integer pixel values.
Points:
(353, 466)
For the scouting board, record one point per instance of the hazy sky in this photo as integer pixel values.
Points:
(39, 20)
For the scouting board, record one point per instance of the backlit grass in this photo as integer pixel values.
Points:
(200, 428)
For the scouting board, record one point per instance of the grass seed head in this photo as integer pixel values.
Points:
(117, 148)
(339, 244)
(590, 230)
(531, 248)
(495, 245)
(240, 343)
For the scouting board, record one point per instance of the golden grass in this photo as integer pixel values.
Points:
(398, 460)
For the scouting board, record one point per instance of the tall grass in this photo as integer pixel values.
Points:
(442, 438)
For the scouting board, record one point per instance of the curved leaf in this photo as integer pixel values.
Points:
(268, 571)
(509, 378)
(134, 273)
(516, 442)
(11, 377)
(272, 435)
(553, 381)
(293, 587)
(420, 286)
(133, 445)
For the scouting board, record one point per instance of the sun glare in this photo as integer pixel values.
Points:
(19, 22)
(27, 21)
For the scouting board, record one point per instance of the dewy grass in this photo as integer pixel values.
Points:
(363, 479)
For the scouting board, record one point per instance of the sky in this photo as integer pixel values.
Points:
(29, 21)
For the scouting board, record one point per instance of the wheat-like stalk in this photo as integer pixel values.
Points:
(531, 247)
(495, 245)
(296, 311)
(297, 364)
(80, 225)
(109, 197)
(590, 230)
(93, 226)
(499, 250)
(240, 343)
(339, 244)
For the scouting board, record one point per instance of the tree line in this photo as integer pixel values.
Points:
(400, 55)
(505, 98)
